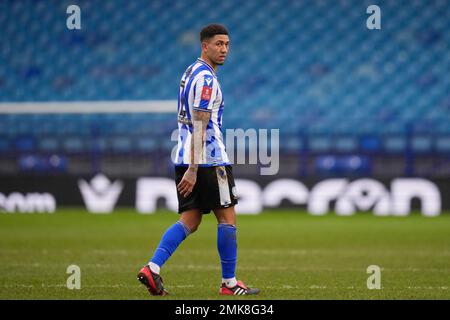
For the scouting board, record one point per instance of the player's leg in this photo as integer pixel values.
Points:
(174, 235)
(190, 218)
(171, 239)
(227, 247)
(227, 243)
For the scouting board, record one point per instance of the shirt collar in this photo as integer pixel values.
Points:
(206, 64)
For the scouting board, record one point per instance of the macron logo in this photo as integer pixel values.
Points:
(100, 195)
(208, 81)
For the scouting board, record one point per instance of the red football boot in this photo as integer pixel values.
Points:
(237, 290)
(152, 281)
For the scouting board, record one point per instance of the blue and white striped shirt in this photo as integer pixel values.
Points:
(200, 90)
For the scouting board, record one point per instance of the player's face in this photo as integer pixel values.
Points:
(217, 48)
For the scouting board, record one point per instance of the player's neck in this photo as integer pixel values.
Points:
(209, 62)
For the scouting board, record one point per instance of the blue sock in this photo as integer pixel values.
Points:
(227, 246)
(169, 242)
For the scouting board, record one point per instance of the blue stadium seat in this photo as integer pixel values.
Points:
(421, 144)
(291, 144)
(146, 145)
(395, 144)
(73, 145)
(346, 144)
(342, 165)
(5, 145)
(370, 144)
(443, 144)
(320, 144)
(24, 144)
(42, 164)
(48, 144)
(121, 145)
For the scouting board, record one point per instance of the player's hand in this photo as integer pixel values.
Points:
(188, 181)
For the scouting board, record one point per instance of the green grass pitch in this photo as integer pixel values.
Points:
(287, 254)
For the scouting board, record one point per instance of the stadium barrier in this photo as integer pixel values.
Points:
(101, 194)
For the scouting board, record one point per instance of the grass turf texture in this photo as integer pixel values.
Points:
(287, 254)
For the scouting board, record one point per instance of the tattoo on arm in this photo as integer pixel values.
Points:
(200, 122)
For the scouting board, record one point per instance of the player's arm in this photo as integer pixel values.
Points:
(200, 122)
(200, 117)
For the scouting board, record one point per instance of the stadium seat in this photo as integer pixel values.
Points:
(73, 145)
(121, 145)
(346, 144)
(395, 144)
(146, 145)
(4, 145)
(342, 165)
(320, 144)
(421, 144)
(443, 144)
(48, 144)
(24, 144)
(370, 144)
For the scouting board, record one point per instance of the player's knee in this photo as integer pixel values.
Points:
(194, 228)
(226, 216)
(227, 219)
(193, 225)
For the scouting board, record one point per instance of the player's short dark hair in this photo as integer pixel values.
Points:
(211, 30)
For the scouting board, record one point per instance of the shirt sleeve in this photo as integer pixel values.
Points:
(205, 93)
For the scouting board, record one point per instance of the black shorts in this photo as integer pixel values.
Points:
(214, 189)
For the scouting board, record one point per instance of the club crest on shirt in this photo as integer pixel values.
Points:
(206, 93)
